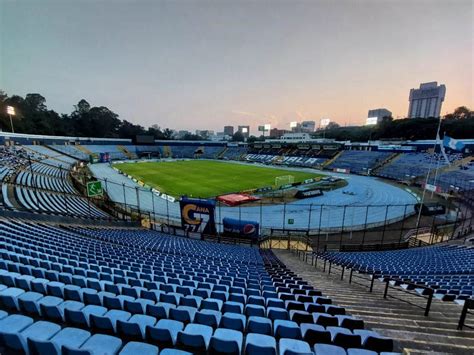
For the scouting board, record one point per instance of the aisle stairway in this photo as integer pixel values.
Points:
(85, 150)
(222, 153)
(332, 160)
(412, 331)
(385, 162)
(125, 151)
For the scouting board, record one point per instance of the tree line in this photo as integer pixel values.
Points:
(33, 116)
(459, 124)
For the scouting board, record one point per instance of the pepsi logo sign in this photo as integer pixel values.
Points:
(249, 229)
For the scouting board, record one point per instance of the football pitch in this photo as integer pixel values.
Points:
(206, 178)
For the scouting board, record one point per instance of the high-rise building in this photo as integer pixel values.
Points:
(376, 115)
(229, 130)
(427, 100)
(308, 126)
(245, 130)
(295, 126)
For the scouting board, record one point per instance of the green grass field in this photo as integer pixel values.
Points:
(205, 178)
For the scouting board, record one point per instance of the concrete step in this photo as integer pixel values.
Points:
(412, 332)
(430, 342)
(420, 327)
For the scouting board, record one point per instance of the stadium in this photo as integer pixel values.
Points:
(120, 246)
(236, 177)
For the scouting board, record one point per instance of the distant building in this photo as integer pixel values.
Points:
(229, 130)
(295, 137)
(182, 133)
(426, 101)
(376, 115)
(277, 133)
(220, 136)
(308, 126)
(205, 133)
(245, 130)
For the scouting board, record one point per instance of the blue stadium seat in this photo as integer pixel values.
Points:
(361, 352)
(208, 317)
(286, 329)
(14, 324)
(344, 338)
(259, 325)
(233, 307)
(28, 302)
(133, 348)
(18, 340)
(277, 313)
(326, 349)
(373, 341)
(9, 297)
(226, 341)
(315, 334)
(259, 344)
(174, 352)
(293, 347)
(69, 337)
(183, 314)
(96, 344)
(195, 336)
(233, 321)
(135, 326)
(81, 318)
(165, 332)
(108, 321)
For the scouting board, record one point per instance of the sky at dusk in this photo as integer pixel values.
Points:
(205, 64)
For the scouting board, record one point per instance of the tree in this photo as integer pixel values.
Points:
(191, 137)
(156, 132)
(105, 122)
(35, 102)
(238, 137)
(82, 107)
(129, 130)
(168, 133)
(462, 112)
(332, 125)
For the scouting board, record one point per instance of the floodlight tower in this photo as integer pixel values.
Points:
(11, 112)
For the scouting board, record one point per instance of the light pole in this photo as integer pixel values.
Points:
(11, 112)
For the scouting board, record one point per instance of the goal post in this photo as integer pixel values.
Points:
(284, 180)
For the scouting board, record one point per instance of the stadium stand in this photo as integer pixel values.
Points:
(41, 183)
(90, 290)
(461, 179)
(234, 153)
(447, 270)
(412, 165)
(181, 151)
(359, 162)
(71, 150)
(210, 152)
(113, 150)
(148, 150)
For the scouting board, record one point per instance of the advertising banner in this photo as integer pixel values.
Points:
(241, 228)
(198, 215)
